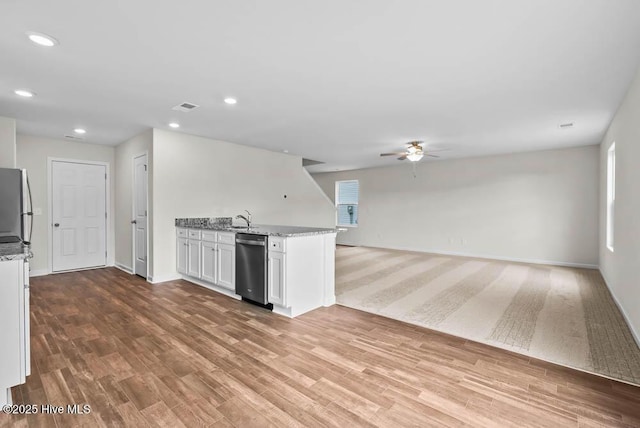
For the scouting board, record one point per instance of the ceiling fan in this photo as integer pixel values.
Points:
(414, 152)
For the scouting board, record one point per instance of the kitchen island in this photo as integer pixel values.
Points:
(14, 317)
(300, 262)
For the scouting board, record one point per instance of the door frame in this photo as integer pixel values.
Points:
(107, 206)
(133, 213)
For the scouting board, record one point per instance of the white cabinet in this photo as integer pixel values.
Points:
(14, 319)
(207, 255)
(276, 278)
(226, 266)
(193, 258)
(209, 263)
(181, 255)
(300, 271)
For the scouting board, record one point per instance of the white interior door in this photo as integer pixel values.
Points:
(140, 215)
(78, 215)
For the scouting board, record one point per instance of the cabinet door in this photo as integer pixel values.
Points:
(193, 264)
(276, 275)
(226, 258)
(209, 262)
(181, 254)
(12, 322)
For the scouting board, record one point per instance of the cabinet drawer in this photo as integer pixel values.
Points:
(209, 236)
(194, 234)
(277, 244)
(182, 233)
(227, 238)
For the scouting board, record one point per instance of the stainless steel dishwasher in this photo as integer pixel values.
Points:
(251, 268)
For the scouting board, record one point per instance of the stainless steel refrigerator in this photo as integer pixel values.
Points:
(15, 206)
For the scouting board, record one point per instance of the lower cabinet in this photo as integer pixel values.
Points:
(209, 264)
(209, 256)
(276, 278)
(226, 258)
(193, 259)
(181, 253)
(15, 363)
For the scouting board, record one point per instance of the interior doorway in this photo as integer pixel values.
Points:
(78, 213)
(140, 217)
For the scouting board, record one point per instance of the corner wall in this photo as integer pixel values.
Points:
(539, 207)
(124, 154)
(7, 142)
(621, 268)
(200, 177)
(32, 154)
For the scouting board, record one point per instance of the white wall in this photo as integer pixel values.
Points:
(537, 206)
(621, 269)
(200, 177)
(7, 142)
(32, 154)
(124, 154)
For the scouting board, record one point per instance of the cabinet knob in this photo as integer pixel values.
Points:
(56, 224)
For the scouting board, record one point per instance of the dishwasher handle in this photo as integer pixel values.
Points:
(246, 241)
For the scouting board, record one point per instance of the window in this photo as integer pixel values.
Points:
(611, 194)
(347, 193)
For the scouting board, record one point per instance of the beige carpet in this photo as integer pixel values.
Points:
(558, 314)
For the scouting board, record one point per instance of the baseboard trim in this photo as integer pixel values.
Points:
(634, 333)
(163, 278)
(476, 256)
(124, 268)
(212, 287)
(38, 272)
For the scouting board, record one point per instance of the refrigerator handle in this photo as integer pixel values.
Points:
(26, 186)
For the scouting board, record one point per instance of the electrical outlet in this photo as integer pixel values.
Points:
(463, 241)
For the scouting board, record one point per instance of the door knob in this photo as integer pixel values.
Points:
(56, 224)
(134, 222)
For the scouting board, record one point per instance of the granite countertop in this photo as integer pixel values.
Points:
(15, 251)
(223, 224)
(272, 230)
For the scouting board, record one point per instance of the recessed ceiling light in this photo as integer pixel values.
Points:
(80, 131)
(24, 93)
(230, 100)
(286, 151)
(42, 39)
(174, 125)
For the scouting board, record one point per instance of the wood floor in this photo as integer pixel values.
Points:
(178, 355)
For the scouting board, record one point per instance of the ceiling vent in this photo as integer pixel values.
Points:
(74, 137)
(567, 125)
(185, 107)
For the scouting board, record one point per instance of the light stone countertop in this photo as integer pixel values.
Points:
(15, 251)
(256, 229)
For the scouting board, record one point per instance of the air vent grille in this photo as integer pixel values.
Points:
(566, 125)
(186, 107)
(73, 137)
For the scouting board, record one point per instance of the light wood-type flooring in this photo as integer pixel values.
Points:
(176, 354)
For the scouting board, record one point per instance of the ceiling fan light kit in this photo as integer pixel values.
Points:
(414, 152)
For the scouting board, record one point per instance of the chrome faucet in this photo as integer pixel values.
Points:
(246, 218)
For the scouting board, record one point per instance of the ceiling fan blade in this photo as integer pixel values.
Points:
(392, 154)
(403, 157)
(433, 156)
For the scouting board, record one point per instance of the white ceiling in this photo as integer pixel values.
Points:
(335, 81)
